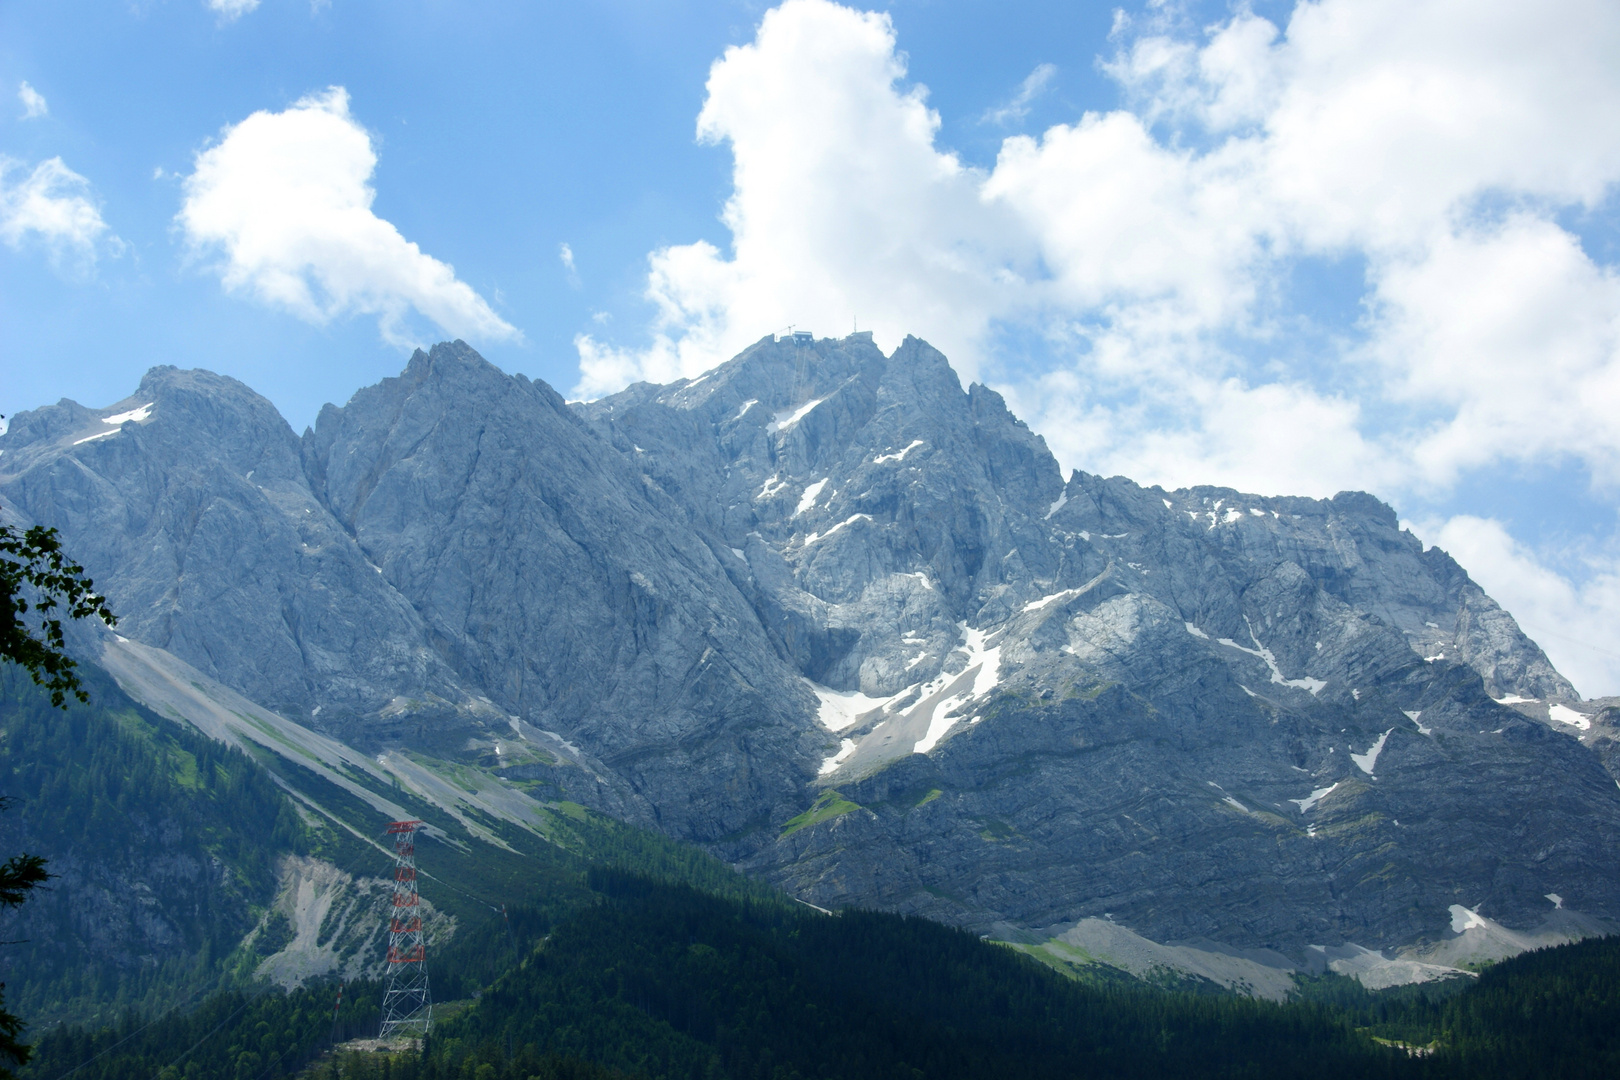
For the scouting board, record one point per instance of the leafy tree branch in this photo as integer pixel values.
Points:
(34, 561)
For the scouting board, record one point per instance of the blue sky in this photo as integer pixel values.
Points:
(1287, 247)
(502, 132)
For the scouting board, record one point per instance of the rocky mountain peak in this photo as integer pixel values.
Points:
(845, 621)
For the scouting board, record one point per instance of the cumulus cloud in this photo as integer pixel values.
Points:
(33, 102)
(231, 10)
(843, 208)
(52, 207)
(283, 201)
(1153, 242)
(1509, 336)
(1572, 622)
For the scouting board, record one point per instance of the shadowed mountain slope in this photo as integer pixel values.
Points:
(844, 622)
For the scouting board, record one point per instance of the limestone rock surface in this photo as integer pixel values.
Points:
(845, 622)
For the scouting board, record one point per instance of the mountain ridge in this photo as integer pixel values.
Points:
(819, 569)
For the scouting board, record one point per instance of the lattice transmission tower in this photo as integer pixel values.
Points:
(407, 1006)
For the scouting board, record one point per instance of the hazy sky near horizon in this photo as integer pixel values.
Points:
(1286, 247)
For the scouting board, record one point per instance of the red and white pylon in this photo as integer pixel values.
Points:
(407, 1006)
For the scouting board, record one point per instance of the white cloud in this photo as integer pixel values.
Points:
(1573, 623)
(231, 10)
(1155, 244)
(565, 255)
(1274, 437)
(33, 102)
(1033, 86)
(842, 209)
(284, 199)
(51, 206)
(1510, 336)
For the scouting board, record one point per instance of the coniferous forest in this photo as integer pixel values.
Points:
(658, 979)
(627, 954)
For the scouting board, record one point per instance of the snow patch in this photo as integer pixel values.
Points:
(1308, 802)
(985, 679)
(1195, 632)
(1257, 513)
(811, 494)
(829, 764)
(97, 435)
(742, 412)
(1557, 901)
(929, 702)
(1167, 505)
(772, 486)
(816, 537)
(841, 708)
(1513, 699)
(1036, 605)
(898, 456)
(739, 553)
(1306, 683)
(1060, 503)
(1566, 715)
(1233, 802)
(990, 663)
(1463, 920)
(788, 417)
(1366, 762)
(137, 414)
(1412, 715)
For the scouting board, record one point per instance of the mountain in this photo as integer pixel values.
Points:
(847, 625)
(1266, 721)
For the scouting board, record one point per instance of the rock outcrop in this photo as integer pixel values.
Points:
(845, 622)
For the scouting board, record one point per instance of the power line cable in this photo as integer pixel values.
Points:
(1565, 637)
(206, 990)
(255, 997)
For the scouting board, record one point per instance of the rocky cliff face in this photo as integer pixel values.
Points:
(1208, 714)
(188, 502)
(844, 621)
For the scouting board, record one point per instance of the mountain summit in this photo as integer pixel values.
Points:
(845, 623)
